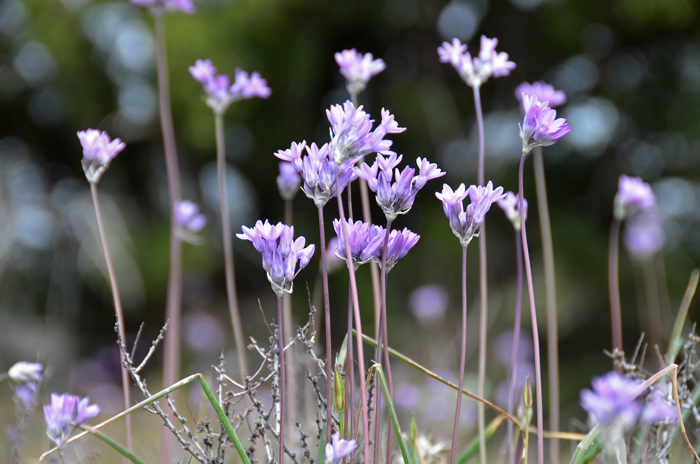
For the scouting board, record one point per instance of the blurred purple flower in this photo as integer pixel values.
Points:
(280, 253)
(633, 195)
(466, 223)
(510, 205)
(333, 263)
(220, 92)
(358, 69)
(407, 396)
(540, 126)
(503, 348)
(203, 332)
(476, 71)
(98, 152)
(26, 394)
(338, 448)
(400, 243)
(62, 412)
(429, 303)
(189, 221)
(289, 181)
(611, 400)
(659, 409)
(186, 6)
(543, 92)
(26, 372)
(644, 235)
(365, 241)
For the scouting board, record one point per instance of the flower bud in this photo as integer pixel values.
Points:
(339, 391)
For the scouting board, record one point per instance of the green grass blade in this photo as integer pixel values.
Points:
(392, 413)
(473, 447)
(674, 344)
(589, 448)
(224, 420)
(321, 456)
(116, 446)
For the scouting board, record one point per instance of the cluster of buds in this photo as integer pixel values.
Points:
(98, 152)
(466, 223)
(358, 69)
(540, 126)
(476, 70)
(65, 410)
(189, 221)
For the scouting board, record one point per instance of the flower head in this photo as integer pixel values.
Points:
(62, 412)
(157, 6)
(466, 223)
(476, 71)
(365, 240)
(400, 243)
(352, 136)
(358, 69)
(659, 409)
(397, 198)
(23, 372)
(27, 395)
(611, 400)
(289, 181)
(189, 221)
(220, 93)
(280, 253)
(644, 235)
(338, 448)
(540, 126)
(98, 152)
(543, 92)
(510, 205)
(633, 195)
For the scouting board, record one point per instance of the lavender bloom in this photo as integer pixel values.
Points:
(158, 6)
(365, 241)
(317, 169)
(98, 152)
(476, 71)
(280, 253)
(633, 195)
(644, 235)
(543, 92)
(289, 181)
(338, 448)
(358, 69)
(429, 303)
(220, 92)
(510, 205)
(86, 411)
(26, 394)
(611, 400)
(22, 372)
(659, 409)
(397, 198)
(540, 128)
(62, 412)
(351, 132)
(400, 243)
(466, 224)
(189, 221)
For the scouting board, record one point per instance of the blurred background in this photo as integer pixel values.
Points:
(630, 69)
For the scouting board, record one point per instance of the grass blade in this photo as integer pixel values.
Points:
(473, 447)
(589, 448)
(392, 412)
(116, 446)
(321, 456)
(675, 342)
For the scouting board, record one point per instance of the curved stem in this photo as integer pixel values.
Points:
(516, 340)
(280, 341)
(327, 315)
(287, 325)
(463, 355)
(614, 286)
(117, 307)
(533, 315)
(551, 292)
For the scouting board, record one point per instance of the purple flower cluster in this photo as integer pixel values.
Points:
(280, 253)
(220, 92)
(157, 6)
(466, 223)
(658, 408)
(98, 152)
(289, 181)
(338, 448)
(189, 221)
(644, 234)
(352, 136)
(510, 204)
(365, 241)
(540, 126)
(317, 170)
(62, 412)
(358, 69)
(475, 71)
(543, 92)
(633, 196)
(397, 198)
(400, 243)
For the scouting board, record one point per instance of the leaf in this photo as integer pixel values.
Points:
(116, 446)
(473, 447)
(321, 456)
(392, 413)
(589, 448)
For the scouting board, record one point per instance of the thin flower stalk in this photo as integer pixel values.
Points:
(287, 323)
(280, 345)
(614, 287)
(516, 340)
(350, 379)
(227, 240)
(462, 356)
(327, 319)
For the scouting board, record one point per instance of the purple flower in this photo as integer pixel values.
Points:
(429, 303)
(644, 235)
(397, 198)
(333, 263)
(289, 181)
(540, 126)
(62, 412)
(98, 152)
(86, 411)
(611, 400)
(351, 132)
(543, 92)
(659, 409)
(400, 243)
(338, 448)
(510, 205)
(26, 394)
(358, 69)
(22, 372)
(220, 92)
(280, 253)
(317, 169)
(633, 195)
(503, 348)
(365, 241)
(476, 71)
(157, 6)
(189, 221)
(466, 223)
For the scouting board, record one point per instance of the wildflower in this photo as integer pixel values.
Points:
(510, 205)
(26, 394)
(659, 409)
(220, 92)
(397, 198)
(157, 6)
(23, 372)
(351, 132)
(611, 400)
(358, 69)
(98, 152)
(338, 448)
(62, 412)
(543, 92)
(289, 181)
(540, 128)
(280, 253)
(633, 195)
(644, 235)
(476, 71)
(365, 241)
(466, 223)
(429, 303)
(400, 243)
(189, 221)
